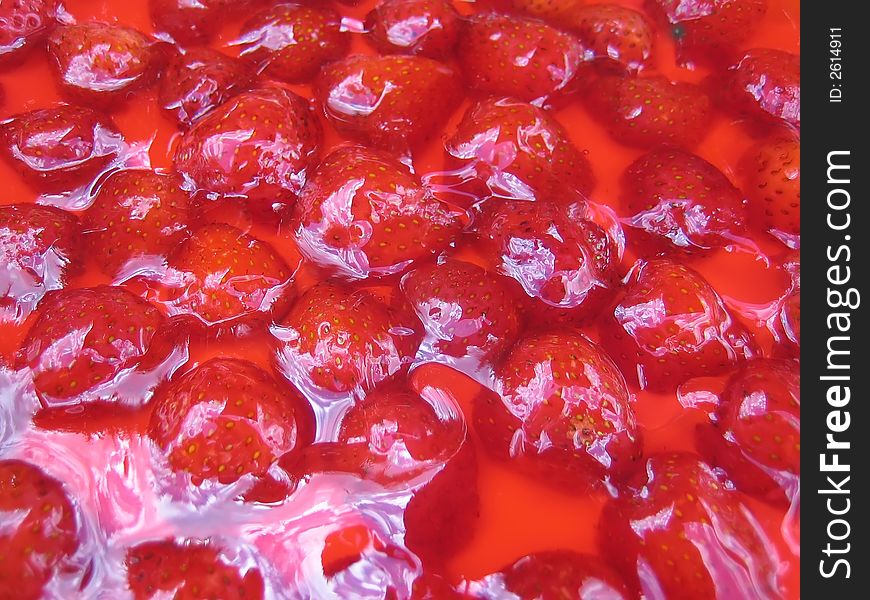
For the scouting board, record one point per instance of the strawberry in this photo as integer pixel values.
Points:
(766, 84)
(613, 35)
(423, 27)
(364, 214)
(557, 255)
(790, 317)
(388, 101)
(465, 310)
(678, 200)
(227, 418)
(136, 213)
(505, 55)
(225, 276)
(258, 145)
(560, 575)
(39, 530)
(564, 413)
(39, 246)
(518, 151)
(190, 570)
(677, 532)
(756, 437)
(340, 340)
(23, 24)
(58, 149)
(192, 21)
(292, 41)
(199, 80)
(103, 63)
(708, 30)
(556, 10)
(83, 341)
(772, 180)
(669, 325)
(651, 111)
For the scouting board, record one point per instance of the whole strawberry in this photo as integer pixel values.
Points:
(772, 179)
(518, 150)
(678, 532)
(527, 59)
(612, 36)
(422, 27)
(137, 215)
(564, 413)
(669, 325)
(190, 22)
(365, 215)
(678, 200)
(391, 102)
(23, 24)
(766, 84)
(259, 145)
(40, 248)
(553, 10)
(61, 148)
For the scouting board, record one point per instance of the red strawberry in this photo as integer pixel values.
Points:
(756, 438)
(58, 149)
(84, 341)
(679, 533)
(509, 56)
(556, 10)
(39, 530)
(611, 34)
(190, 570)
(556, 254)
(388, 101)
(136, 213)
(465, 310)
(564, 413)
(225, 276)
(678, 200)
(227, 418)
(39, 247)
(292, 41)
(669, 325)
(560, 575)
(708, 29)
(258, 145)
(199, 80)
(518, 151)
(103, 63)
(341, 340)
(766, 84)
(651, 111)
(423, 27)
(24, 23)
(364, 214)
(772, 179)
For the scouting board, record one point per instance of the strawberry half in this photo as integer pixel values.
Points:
(137, 213)
(103, 63)
(519, 151)
(772, 180)
(292, 41)
(364, 214)
(708, 30)
(58, 149)
(225, 276)
(766, 84)
(391, 102)
(342, 340)
(503, 55)
(564, 414)
(198, 81)
(258, 145)
(23, 24)
(465, 310)
(678, 200)
(651, 111)
(422, 27)
(613, 35)
(190, 570)
(677, 532)
(39, 533)
(669, 325)
(227, 418)
(39, 246)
